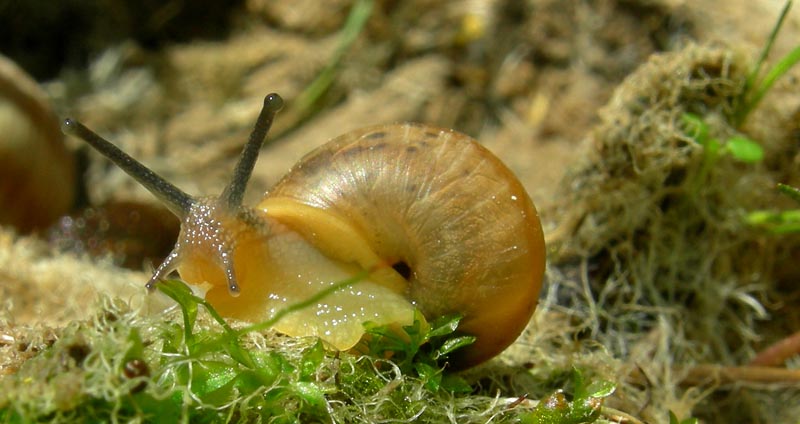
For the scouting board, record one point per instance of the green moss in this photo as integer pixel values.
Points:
(123, 366)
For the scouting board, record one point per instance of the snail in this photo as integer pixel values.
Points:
(440, 224)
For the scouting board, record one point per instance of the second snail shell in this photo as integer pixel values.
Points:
(37, 173)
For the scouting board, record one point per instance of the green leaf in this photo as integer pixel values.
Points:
(155, 410)
(418, 331)
(555, 409)
(270, 366)
(673, 419)
(697, 129)
(578, 383)
(783, 66)
(790, 216)
(600, 389)
(241, 383)
(182, 294)
(444, 325)
(311, 394)
(311, 361)
(762, 217)
(780, 222)
(383, 339)
(751, 95)
(712, 147)
(430, 376)
(745, 149)
(584, 407)
(237, 352)
(211, 376)
(792, 192)
(452, 344)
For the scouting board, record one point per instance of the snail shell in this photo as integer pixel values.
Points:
(37, 173)
(440, 222)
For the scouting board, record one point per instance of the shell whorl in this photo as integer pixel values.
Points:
(439, 202)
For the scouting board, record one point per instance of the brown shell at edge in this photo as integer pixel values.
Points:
(37, 172)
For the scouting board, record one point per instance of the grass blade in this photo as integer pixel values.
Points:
(783, 66)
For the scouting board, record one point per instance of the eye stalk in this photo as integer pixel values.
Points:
(234, 192)
(175, 199)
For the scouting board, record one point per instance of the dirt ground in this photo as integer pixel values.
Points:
(180, 91)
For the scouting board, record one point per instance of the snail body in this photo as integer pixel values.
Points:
(440, 223)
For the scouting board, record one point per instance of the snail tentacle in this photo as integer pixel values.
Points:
(230, 271)
(175, 199)
(169, 264)
(234, 192)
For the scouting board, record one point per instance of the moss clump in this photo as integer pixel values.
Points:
(657, 219)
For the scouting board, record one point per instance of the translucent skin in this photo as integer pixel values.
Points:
(277, 267)
(444, 205)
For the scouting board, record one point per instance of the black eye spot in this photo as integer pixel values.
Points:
(411, 149)
(403, 269)
(376, 135)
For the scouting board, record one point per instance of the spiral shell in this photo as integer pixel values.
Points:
(438, 202)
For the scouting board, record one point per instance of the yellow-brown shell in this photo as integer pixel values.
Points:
(442, 204)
